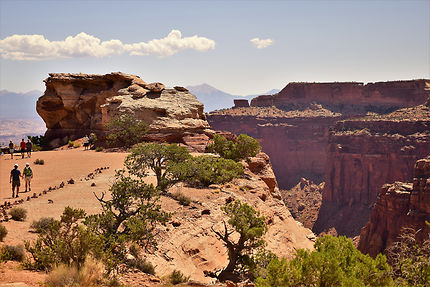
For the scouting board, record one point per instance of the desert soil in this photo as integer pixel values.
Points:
(60, 166)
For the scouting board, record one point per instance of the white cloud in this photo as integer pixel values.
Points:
(37, 47)
(261, 43)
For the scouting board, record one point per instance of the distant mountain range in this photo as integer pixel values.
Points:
(215, 99)
(18, 105)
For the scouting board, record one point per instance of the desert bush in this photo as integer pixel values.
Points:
(250, 227)
(64, 241)
(130, 216)
(334, 262)
(160, 158)
(76, 145)
(39, 142)
(99, 149)
(125, 131)
(181, 198)
(206, 170)
(3, 232)
(39, 161)
(410, 259)
(12, 252)
(90, 275)
(18, 213)
(42, 224)
(142, 265)
(243, 148)
(70, 144)
(177, 277)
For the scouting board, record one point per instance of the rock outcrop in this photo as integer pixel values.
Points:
(365, 153)
(350, 97)
(188, 244)
(75, 104)
(399, 205)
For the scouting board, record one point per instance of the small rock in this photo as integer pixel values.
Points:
(50, 201)
(93, 184)
(71, 181)
(206, 211)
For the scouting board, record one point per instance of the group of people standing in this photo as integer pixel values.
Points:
(15, 176)
(24, 146)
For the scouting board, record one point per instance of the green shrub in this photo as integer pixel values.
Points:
(42, 224)
(177, 277)
(334, 262)
(70, 144)
(3, 232)
(125, 131)
(18, 213)
(206, 170)
(243, 148)
(99, 149)
(12, 252)
(77, 145)
(182, 198)
(142, 265)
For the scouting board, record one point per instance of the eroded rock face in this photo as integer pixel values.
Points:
(364, 154)
(399, 205)
(350, 97)
(75, 104)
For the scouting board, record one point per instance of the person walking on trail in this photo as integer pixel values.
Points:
(22, 146)
(91, 140)
(28, 175)
(86, 142)
(15, 174)
(11, 149)
(28, 147)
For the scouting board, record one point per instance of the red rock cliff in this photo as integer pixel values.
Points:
(399, 205)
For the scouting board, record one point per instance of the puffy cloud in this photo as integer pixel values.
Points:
(37, 47)
(261, 43)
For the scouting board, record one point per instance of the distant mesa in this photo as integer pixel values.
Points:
(75, 104)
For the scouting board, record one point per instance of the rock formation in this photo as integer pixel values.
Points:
(189, 245)
(75, 104)
(399, 205)
(365, 153)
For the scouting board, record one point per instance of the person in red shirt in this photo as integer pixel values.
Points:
(23, 148)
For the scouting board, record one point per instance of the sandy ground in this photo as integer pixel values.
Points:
(59, 167)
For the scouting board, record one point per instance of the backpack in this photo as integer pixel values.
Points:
(28, 171)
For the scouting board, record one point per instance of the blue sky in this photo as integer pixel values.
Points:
(311, 41)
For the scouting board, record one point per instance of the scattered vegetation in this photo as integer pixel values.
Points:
(99, 149)
(177, 277)
(130, 215)
(18, 213)
(206, 170)
(90, 275)
(3, 232)
(250, 227)
(42, 224)
(39, 161)
(70, 144)
(39, 142)
(159, 158)
(182, 198)
(12, 252)
(125, 131)
(410, 259)
(65, 241)
(243, 148)
(334, 262)
(76, 145)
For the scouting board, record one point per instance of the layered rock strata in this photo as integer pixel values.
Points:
(295, 140)
(399, 205)
(75, 104)
(365, 153)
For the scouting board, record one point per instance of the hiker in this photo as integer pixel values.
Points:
(14, 179)
(91, 140)
(86, 142)
(11, 149)
(22, 146)
(29, 147)
(28, 175)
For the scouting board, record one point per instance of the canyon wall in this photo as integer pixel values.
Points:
(399, 205)
(75, 104)
(295, 141)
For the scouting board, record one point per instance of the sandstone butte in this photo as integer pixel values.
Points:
(399, 205)
(76, 104)
(320, 131)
